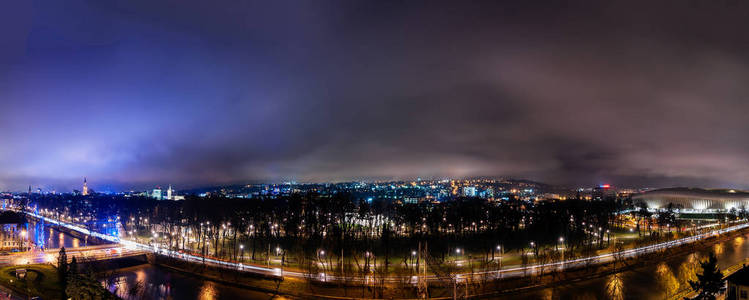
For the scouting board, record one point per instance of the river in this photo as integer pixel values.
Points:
(656, 281)
(45, 235)
(144, 281)
(153, 282)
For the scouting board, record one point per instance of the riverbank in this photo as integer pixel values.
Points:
(554, 279)
(474, 287)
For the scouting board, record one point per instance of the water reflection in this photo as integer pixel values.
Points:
(667, 280)
(208, 291)
(653, 281)
(151, 282)
(43, 235)
(615, 287)
(689, 269)
(737, 242)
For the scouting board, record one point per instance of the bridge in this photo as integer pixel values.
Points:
(89, 253)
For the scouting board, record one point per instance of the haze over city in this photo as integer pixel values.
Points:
(374, 149)
(133, 94)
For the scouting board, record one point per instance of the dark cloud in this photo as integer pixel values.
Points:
(143, 93)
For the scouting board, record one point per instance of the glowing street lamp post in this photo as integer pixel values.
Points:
(499, 271)
(413, 258)
(457, 255)
(533, 248)
(320, 255)
(561, 241)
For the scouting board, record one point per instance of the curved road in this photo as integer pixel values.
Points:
(132, 247)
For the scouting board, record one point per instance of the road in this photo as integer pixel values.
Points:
(98, 252)
(131, 247)
(50, 256)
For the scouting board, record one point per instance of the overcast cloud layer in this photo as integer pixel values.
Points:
(139, 93)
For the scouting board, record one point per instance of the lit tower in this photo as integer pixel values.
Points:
(169, 193)
(85, 187)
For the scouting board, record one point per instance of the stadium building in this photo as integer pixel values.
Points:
(695, 199)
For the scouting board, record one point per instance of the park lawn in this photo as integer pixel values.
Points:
(41, 280)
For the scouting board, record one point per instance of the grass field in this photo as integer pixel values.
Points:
(41, 280)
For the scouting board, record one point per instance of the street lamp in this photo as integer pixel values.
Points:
(533, 247)
(499, 271)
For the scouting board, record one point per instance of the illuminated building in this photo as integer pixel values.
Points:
(169, 193)
(85, 187)
(694, 199)
(489, 193)
(156, 193)
(469, 191)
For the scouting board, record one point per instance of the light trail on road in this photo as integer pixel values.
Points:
(489, 274)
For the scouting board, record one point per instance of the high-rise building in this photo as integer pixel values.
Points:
(85, 187)
(156, 194)
(169, 193)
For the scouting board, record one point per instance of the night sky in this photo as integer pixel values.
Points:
(138, 93)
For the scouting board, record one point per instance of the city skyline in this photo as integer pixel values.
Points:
(136, 94)
(84, 189)
(370, 149)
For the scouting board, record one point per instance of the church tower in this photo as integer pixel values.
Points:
(85, 187)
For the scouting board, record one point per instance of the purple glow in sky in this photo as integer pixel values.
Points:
(133, 94)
